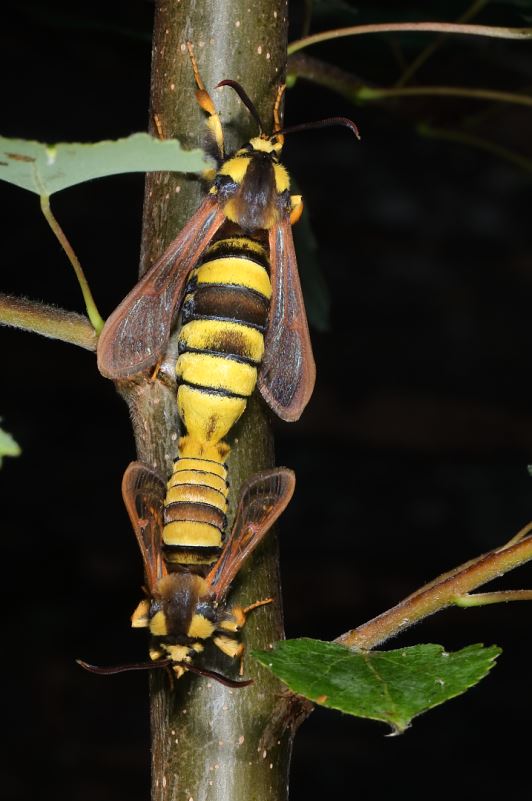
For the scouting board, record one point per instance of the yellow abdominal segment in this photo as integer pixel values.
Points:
(221, 346)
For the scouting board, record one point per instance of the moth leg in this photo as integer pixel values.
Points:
(234, 622)
(235, 618)
(256, 605)
(140, 617)
(277, 112)
(296, 204)
(171, 677)
(204, 99)
(155, 371)
(228, 645)
(158, 126)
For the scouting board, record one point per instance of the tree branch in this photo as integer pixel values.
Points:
(49, 321)
(447, 590)
(205, 737)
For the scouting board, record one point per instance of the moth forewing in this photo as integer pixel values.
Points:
(263, 498)
(136, 334)
(288, 371)
(143, 491)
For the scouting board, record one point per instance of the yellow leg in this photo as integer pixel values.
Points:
(256, 605)
(228, 645)
(277, 111)
(155, 371)
(297, 208)
(205, 101)
(158, 125)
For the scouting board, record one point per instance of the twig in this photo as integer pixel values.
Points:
(49, 321)
(485, 598)
(370, 93)
(490, 31)
(438, 594)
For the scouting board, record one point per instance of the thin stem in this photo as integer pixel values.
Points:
(428, 51)
(485, 598)
(490, 31)
(478, 142)
(521, 534)
(369, 93)
(438, 594)
(90, 305)
(49, 321)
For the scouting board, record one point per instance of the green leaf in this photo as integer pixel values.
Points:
(391, 686)
(8, 446)
(45, 169)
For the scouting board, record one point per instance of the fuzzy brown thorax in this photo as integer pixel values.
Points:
(252, 186)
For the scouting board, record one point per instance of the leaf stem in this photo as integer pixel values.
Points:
(429, 51)
(49, 321)
(92, 311)
(436, 595)
(485, 598)
(390, 27)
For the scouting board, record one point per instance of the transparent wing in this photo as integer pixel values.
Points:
(263, 498)
(288, 372)
(136, 333)
(143, 491)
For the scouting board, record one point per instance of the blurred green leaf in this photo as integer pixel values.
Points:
(45, 169)
(391, 686)
(8, 446)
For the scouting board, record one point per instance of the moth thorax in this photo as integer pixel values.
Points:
(176, 602)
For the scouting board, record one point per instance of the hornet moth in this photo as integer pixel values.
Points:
(231, 277)
(183, 609)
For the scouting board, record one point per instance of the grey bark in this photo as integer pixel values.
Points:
(208, 741)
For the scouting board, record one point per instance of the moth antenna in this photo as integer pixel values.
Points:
(245, 100)
(162, 663)
(327, 123)
(211, 674)
(109, 671)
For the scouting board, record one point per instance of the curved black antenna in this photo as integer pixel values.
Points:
(163, 663)
(330, 121)
(211, 674)
(245, 100)
(110, 671)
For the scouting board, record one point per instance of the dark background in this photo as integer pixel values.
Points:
(410, 458)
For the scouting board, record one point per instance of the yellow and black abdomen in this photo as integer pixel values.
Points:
(221, 345)
(195, 509)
